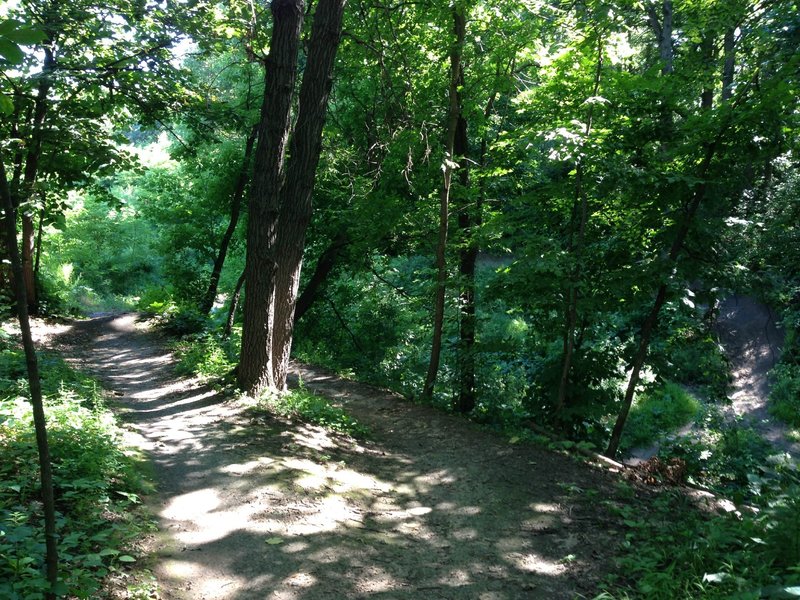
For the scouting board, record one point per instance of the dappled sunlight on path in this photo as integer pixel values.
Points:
(253, 507)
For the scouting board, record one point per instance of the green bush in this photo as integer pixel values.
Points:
(307, 406)
(785, 394)
(96, 483)
(658, 412)
(207, 355)
(673, 550)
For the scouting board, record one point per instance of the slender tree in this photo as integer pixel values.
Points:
(454, 113)
(236, 209)
(37, 403)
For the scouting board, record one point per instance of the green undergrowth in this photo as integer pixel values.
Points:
(785, 393)
(97, 483)
(307, 406)
(658, 412)
(206, 354)
(673, 549)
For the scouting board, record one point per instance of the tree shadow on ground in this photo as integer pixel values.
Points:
(430, 506)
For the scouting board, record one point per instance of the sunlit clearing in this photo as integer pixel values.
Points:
(191, 505)
(544, 508)
(534, 563)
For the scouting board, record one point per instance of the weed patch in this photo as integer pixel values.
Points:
(96, 483)
(307, 406)
(658, 412)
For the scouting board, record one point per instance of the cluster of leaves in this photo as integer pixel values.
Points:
(96, 482)
(206, 354)
(662, 409)
(785, 394)
(119, 265)
(674, 550)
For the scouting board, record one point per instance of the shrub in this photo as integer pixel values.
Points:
(658, 412)
(96, 483)
(207, 355)
(307, 406)
(785, 394)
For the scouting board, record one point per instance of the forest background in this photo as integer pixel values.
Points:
(527, 212)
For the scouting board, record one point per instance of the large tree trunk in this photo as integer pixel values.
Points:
(255, 362)
(236, 209)
(453, 115)
(281, 208)
(306, 146)
(45, 470)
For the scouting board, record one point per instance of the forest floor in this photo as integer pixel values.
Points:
(430, 506)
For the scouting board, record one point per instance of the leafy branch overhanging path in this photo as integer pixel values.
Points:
(431, 506)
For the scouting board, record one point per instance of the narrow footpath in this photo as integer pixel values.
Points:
(430, 506)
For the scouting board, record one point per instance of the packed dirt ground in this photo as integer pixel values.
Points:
(429, 506)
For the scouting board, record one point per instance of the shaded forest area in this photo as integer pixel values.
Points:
(534, 214)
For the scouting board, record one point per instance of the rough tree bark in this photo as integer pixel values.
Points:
(448, 164)
(255, 364)
(306, 146)
(236, 209)
(45, 470)
(281, 202)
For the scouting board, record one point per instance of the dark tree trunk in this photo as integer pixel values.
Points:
(46, 477)
(237, 290)
(468, 220)
(306, 146)
(28, 252)
(281, 206)
(30, 173)
(650, 322)
(255, 363)
(39, 234)
(325, 264)
(729, 67)
(236, 209)
(453, 115)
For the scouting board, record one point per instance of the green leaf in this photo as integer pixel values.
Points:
(274, 540)
(6, 105)
(60, 588)
(26, 36)
(10, 51)
(126, 558)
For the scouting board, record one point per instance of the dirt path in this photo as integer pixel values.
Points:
(431, 507)
(752, 341)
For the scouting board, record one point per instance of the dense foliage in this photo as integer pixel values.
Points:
(97, 482)
(617, 170)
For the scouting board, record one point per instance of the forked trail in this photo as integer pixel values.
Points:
(430, 506)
